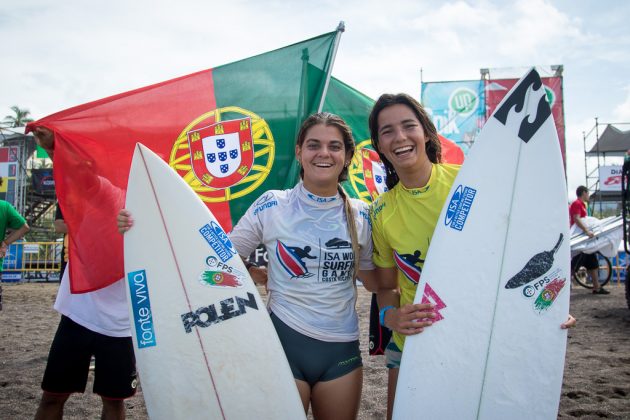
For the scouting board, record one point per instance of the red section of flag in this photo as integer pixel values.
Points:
(451, 153)
(94, 144)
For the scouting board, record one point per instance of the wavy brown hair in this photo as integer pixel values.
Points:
(432, 146)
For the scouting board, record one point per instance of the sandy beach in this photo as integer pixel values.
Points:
(596, 380)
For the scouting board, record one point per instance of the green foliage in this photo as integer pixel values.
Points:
(20, 117)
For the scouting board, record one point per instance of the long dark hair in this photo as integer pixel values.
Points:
(432, 146)
(328, 119)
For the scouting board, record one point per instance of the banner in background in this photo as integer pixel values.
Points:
(9, 158)
(457, 109)
(610, 178)
(42, 181)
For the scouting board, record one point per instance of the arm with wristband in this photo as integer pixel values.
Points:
(408, 319)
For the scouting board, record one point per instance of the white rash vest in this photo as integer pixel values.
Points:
(310, 259)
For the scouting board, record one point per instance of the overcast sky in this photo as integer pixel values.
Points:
(57, 54)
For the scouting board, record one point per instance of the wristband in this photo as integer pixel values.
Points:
(381, 314)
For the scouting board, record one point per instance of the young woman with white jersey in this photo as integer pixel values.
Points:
(318, 241)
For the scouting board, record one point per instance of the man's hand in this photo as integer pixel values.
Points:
(45, 139)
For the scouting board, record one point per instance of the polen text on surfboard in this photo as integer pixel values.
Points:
(208, 315)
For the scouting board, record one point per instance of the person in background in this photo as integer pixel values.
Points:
(92, 324)
(9, 219)
(577, 213)
(61, 227)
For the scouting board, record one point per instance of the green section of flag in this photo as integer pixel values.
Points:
(283, 87)
(351, 105)
(41, 153)
(354, 107)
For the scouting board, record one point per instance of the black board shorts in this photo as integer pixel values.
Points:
(314, 360)
(588, 261)
(69, 362)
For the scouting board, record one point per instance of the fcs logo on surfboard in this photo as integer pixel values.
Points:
(547, 286)
(516, 105)
(459, 206)
(218, 240)
(220, 274)
(291, 259)
(546, 290)
(141, 306)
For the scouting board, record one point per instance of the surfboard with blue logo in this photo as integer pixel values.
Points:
(204, 343)
(497, 270)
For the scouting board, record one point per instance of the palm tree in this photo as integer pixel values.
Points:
(20, 119)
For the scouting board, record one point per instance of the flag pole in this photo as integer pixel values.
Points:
(340, 29)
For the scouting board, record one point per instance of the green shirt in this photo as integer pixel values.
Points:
(9, 218)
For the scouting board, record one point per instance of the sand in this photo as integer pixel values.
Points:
(596, 379)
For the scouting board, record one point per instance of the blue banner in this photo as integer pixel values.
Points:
(456, 108)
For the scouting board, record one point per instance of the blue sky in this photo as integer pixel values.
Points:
(60, 54)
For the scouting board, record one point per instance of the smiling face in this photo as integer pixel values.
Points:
(323, 157)
(401, 138)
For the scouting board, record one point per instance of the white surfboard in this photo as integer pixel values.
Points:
(498, 270)
(608, 234)
(204, 343)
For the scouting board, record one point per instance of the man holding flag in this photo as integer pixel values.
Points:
(258, 103)
(92, 324)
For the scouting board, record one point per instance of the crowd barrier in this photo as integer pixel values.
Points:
(32, 261)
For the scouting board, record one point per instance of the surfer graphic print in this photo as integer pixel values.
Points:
(310, 254)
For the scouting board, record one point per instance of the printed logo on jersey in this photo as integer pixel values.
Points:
(224, 154)
(406, 263)
(459, 206)
(265, 202)
(141, 307)
(227, 309)
(337, 263)
(377, 208)
(218, 240)
(527, 107)
(318, 199)
(291, 259)
(429, 296)
(545, 290)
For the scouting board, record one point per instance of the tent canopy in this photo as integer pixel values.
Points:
(612, 142)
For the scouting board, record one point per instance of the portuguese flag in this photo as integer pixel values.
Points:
(229, 132)
(366, 172)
